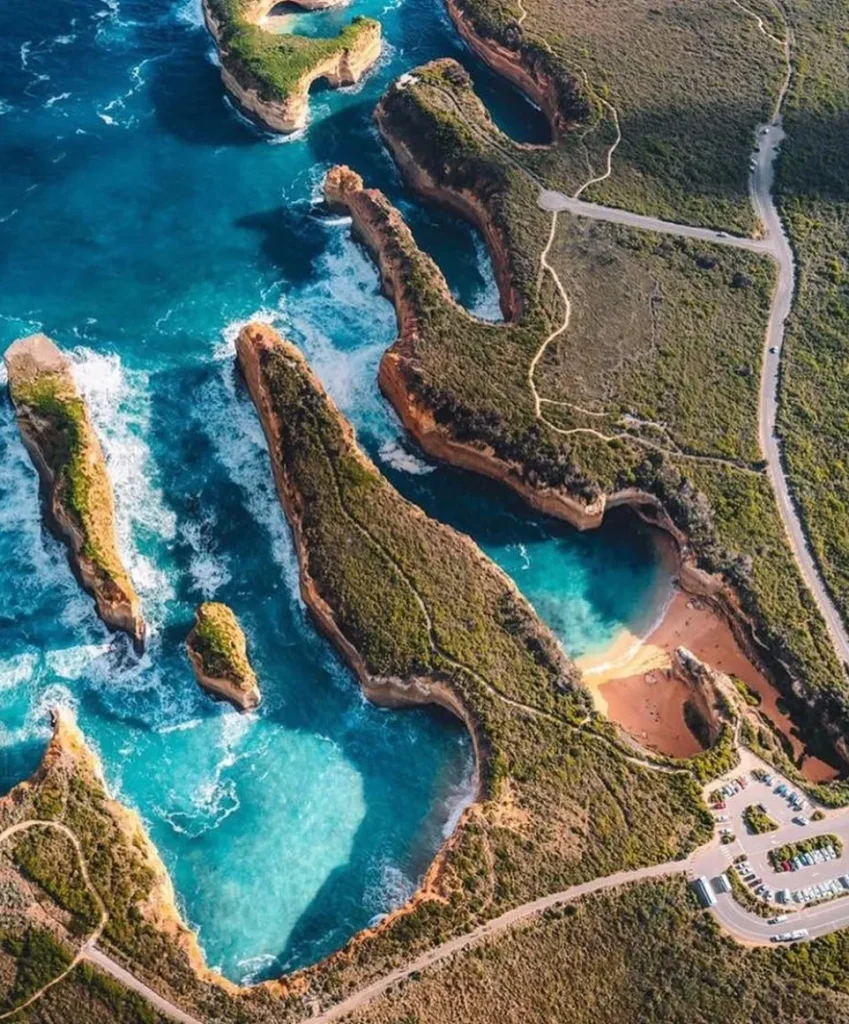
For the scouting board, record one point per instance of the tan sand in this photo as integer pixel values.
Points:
(630, 684)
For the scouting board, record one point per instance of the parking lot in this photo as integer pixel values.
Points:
(809, 898)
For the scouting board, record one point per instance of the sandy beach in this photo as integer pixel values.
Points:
(629, 680)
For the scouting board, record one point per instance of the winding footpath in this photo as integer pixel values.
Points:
(775, 244)
(88, 950)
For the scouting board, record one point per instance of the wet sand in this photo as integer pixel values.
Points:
(630, 684)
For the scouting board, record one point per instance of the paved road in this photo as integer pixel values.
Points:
(493, 927)
(88, 950)
(58, 826)
(106, 963)
(555, 202)
(761, 189)
(714, 858)
(775, 244)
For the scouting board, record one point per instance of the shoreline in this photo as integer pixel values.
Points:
(631, 682)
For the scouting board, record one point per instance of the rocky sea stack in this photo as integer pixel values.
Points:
(218, 653)
(59, 436)
(269, 75)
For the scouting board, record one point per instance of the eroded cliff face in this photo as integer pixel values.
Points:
(711, 694)
(58, 434)
(388, 691)
(286, 114)
(562, 98)
(70, 765)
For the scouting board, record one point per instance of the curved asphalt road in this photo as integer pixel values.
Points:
(775, 244)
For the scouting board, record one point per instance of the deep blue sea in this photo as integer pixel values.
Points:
(141, 222)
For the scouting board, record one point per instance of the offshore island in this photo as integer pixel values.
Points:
(637, 364)
(269, 76)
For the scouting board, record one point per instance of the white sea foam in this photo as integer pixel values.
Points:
(209, 573)
(105, 118)
(72, 663)
(56, 99)
(216, 797)
(461, 797)
(5, 107)
(38, 717)
(190, 12)
(119, 402)
(24, 52)
(187, 726)
(255, 968)
(523, 554)
(334, 308)
(395, 886)
(9, 216)
(233, 427)
(40, 558)
(486, 305)
(394, 454)
(17, 669)
(387, 55)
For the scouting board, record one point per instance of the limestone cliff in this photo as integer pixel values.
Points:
(59, 436)
(270, 76)
(711, 694)
(218, 652)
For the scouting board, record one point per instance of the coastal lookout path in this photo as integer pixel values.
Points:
(773, 243)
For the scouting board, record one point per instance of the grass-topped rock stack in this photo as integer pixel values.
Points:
(270, 75)
(58, 433)
(218, 653)
(422, 616)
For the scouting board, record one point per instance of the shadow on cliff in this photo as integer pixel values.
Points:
(189, 101)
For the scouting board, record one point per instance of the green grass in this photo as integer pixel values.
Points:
(791, 850)
(814, 198)
(662, 354)
(757, 821)
(39, 957)
(562, 802)
(639, 954)
(48, 858)
(218, 640)
(275, 65)
(690, 81)
(59, 419)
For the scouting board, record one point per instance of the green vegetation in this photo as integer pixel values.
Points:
(758, 821)
(752, 698)
(813, 191)
(615, 414)
(686, 130)
(39, 958)
(274, 66)
(53, 411)
(642, 953)
(562, 803)
(48, 858)
(69, 787)
(747, 899)
(219, 642)
(791, 850)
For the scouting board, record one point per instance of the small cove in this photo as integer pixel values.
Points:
(141, 221)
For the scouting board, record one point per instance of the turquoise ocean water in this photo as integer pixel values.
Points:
(141, 221)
